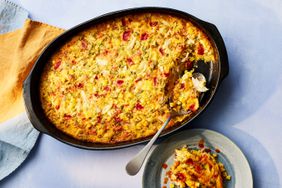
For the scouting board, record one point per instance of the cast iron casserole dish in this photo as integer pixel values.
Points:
(214, 72)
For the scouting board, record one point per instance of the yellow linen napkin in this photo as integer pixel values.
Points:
(19, 51)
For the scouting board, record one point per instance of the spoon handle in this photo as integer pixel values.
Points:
(134, 165)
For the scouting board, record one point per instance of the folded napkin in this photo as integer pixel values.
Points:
(18, 51)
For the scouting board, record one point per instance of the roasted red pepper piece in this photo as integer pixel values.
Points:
(189, 65)
(57, 64)
(192, 108)
(126, 35)
(123, 22)
(161, 50)
(129, 61)
(155, 81)
(138, 106)
(80, 85)
(107, 88)
(138, 79)
(189, 161)
(181, 177)
(168, 173)
(164, 166)
(201, 49)
(166, 74)
(57, 107)
(84, 44)
(99, 118)
(118, 119)
(198, 168)
(67, 117)
(118, 128)
(153, 24)
(144, 36)
(120, 82)
(94, 132)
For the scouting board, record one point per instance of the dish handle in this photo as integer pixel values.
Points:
(223, 57)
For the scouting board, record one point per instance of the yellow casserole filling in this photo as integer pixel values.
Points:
(110, 83)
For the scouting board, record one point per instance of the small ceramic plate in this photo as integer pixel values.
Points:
(230, 155)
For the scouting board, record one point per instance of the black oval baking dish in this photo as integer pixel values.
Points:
(214, 72)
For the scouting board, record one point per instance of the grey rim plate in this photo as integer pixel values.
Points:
(230, 155)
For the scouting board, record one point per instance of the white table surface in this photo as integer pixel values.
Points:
(247, 107)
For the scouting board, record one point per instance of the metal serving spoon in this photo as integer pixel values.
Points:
(134, 165)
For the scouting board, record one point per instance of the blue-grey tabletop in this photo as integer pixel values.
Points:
(247, 108)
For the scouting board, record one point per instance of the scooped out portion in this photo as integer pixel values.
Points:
(183, 98)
